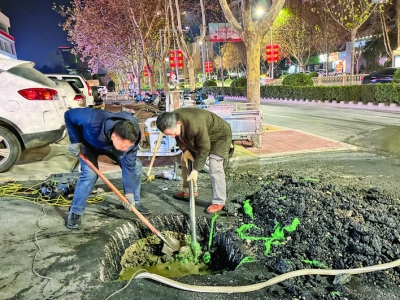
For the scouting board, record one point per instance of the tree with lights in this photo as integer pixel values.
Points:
(233, 56)
(295, 33)
(252, 29)
(179, 34)
(351, 15)
(120, 35)
(328, 36)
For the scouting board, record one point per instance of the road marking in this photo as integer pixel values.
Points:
(299, 119)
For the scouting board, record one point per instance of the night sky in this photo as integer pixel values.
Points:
(34, 25)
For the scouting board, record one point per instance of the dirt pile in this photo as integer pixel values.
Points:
(292, 224)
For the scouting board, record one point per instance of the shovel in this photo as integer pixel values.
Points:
(170, 244)
(192, 206)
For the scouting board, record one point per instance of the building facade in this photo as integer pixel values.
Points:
(7, 42)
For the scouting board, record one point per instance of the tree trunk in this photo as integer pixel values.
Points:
(152, 81)
(398, 23)
(221, 67)
(192, 73)
(139, 87)
(165, 77)
(253, 47)
(352, 54)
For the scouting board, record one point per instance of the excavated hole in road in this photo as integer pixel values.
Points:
(133, 247)
(339, 227)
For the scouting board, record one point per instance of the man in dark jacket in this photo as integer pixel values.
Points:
(97, 132)
(200, 134)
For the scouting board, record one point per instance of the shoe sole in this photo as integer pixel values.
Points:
(213, 212)
(73, 227)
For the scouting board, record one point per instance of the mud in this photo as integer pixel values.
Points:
(345, 221)
(347, 204)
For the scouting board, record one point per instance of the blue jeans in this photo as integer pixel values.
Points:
(88, 178)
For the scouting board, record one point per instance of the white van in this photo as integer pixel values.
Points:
(80, 82)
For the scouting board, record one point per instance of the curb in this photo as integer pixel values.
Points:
(392, 107)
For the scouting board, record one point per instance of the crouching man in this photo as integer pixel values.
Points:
(97, 132)
(200, 134)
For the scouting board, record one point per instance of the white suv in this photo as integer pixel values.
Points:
(31, 110)
(80, 82)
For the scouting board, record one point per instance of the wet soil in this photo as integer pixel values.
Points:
(348, 213)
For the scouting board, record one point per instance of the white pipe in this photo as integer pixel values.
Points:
(258, 286)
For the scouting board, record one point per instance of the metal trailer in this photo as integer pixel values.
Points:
(167, 146)
(245, 121)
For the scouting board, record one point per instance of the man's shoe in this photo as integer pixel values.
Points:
(184, 195)
(141, 208)
(213, 208)
(73, 221)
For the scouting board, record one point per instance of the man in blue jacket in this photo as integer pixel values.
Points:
(97, 132)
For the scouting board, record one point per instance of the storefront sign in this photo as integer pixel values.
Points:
(223, 32)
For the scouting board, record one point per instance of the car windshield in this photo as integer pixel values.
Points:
(73, 85)
(32, 74)
(388, 72)
(77, 81)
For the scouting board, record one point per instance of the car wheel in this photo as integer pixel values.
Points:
(10, 149)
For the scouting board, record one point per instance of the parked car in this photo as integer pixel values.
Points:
(98, 100)
(384, 75)
(322, 72)
(80, 82)
(74, 97)
(31, 110)
(102, 91)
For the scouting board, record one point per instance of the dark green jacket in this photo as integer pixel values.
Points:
(203, 133)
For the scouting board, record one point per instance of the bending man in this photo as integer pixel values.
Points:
(97, 132)
(201, 134)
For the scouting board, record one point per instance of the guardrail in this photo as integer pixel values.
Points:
(114, 96)
(329, 80)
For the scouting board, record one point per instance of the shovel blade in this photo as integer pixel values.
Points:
(170, 246)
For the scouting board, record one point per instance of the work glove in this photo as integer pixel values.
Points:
(186, 156)
(75, 148)
(131, 202)
(193, 176)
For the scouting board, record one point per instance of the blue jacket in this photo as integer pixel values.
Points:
(92, 127)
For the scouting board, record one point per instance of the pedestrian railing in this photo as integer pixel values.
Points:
(330, 80)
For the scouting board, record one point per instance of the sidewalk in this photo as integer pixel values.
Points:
(55, 159)
(274, 142)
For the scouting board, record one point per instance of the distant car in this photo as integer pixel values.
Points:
(381, 76)
(74, 97)
(101, 92)
(31, 110)
(322, 72)
(102, 89)
(80, 82)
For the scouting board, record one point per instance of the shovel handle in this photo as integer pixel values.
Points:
(118, 193)
(155, 153)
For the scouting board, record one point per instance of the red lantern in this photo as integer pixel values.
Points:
(176, 59)
(272, 53)
(208, 67)
(146, 71)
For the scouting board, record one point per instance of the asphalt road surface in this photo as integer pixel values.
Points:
(369, 129)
